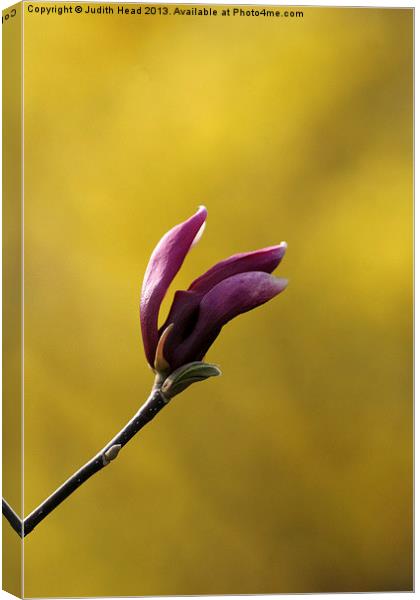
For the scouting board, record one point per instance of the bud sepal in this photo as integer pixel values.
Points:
(186, 375)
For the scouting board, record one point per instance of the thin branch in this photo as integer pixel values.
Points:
(150, 408)
(14, 519)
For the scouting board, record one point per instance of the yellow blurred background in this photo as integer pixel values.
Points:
(293, 471)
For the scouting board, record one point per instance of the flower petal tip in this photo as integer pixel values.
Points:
(199, 235)
(202, 210)
(281, 284)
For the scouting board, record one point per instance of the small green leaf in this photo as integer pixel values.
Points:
(186, 375)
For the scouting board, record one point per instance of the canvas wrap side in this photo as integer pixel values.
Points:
(12, 292)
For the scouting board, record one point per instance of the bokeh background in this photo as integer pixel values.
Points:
(293, 471)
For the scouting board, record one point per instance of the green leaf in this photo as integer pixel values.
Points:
(186, 375)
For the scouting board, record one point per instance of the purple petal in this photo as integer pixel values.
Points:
(226, 300)
(164, 264)
(183, 315)
(265, 260)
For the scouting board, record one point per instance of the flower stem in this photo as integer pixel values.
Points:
(155, 402)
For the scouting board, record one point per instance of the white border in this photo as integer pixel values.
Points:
(338, 3)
